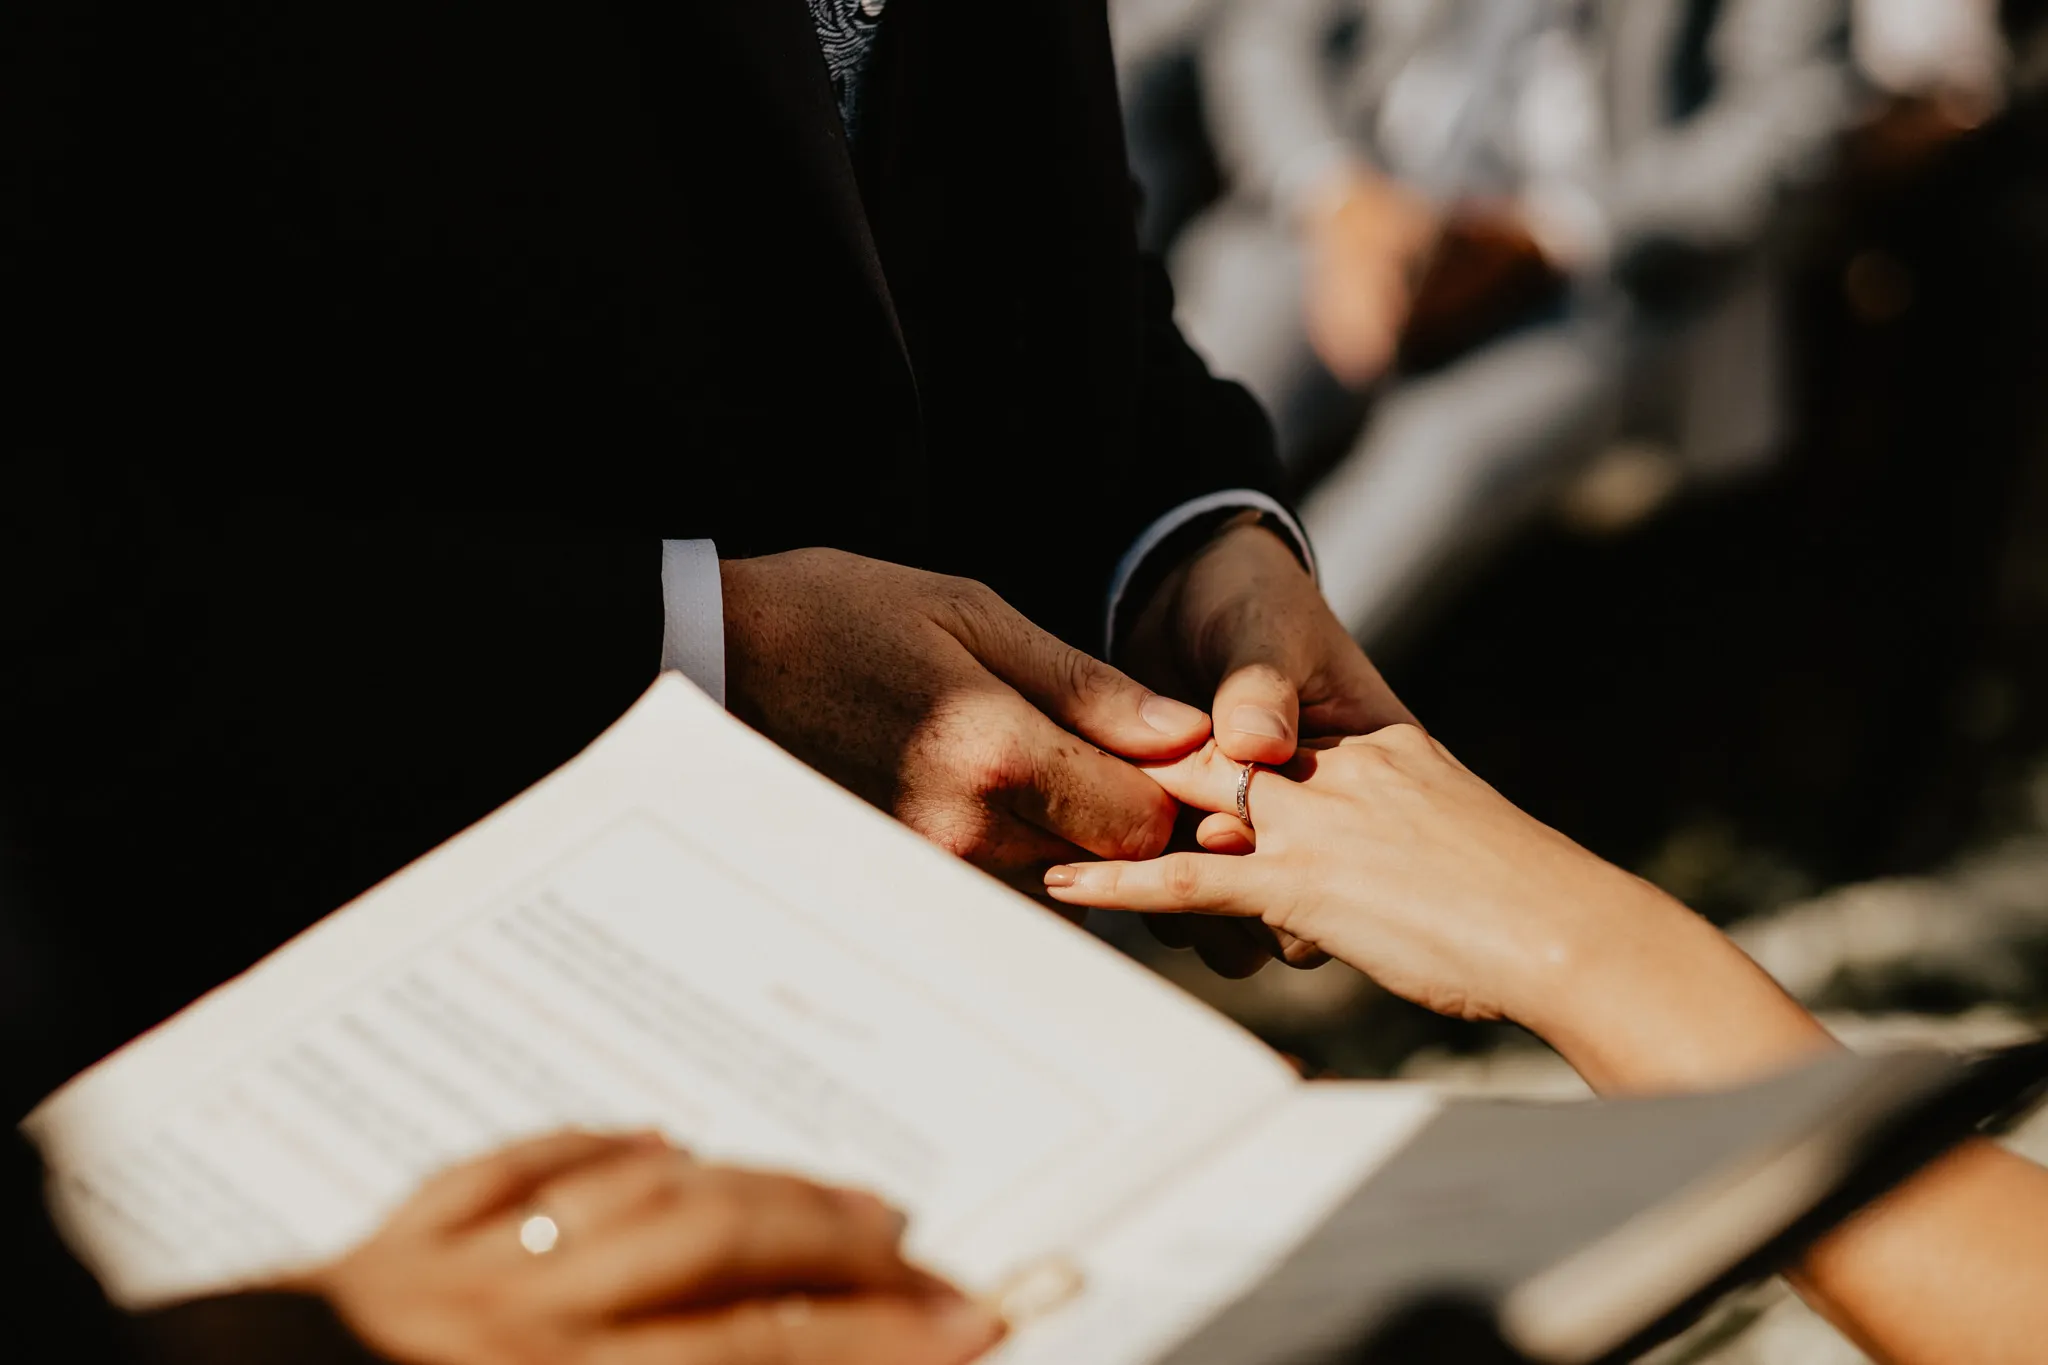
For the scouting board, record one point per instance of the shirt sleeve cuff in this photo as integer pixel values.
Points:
(693, 614)
(1155, 535)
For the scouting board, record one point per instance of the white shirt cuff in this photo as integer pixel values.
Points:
(693, 614)
(1226, 500)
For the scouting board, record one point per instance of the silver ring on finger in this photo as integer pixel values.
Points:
(1244, 792)
(539, 1233)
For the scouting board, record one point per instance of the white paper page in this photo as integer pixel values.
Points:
(683, 927)
(1166, 1267)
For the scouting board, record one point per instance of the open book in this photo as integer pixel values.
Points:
(687, 928)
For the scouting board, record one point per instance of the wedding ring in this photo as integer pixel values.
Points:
(1244, 792)
(539, 1234)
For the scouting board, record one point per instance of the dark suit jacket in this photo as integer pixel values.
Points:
(364, 351)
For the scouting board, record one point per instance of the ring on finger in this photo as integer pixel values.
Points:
(539, 1233)
(1244, 792)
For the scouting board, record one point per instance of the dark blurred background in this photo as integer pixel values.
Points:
(1698, 497)
(1662, 382)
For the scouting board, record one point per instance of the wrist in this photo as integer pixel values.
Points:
(1149, 609)
(1638, 993)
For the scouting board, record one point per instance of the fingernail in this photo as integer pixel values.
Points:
(1168, 716)
(1059, 876)
(966, 1324)
(1257, 720)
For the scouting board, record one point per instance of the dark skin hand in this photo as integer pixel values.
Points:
(935, 700)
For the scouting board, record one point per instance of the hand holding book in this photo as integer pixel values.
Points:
(1049, 1116)
(668, 1260)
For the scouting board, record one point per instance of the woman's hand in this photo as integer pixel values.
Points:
(1385, 851)
(659, 1260)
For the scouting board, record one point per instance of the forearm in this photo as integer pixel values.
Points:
(1641, 994)
(1945, 1271)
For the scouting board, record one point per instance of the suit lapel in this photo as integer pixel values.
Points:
(788, 112)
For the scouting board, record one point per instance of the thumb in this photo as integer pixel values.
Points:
(1257, 714)
(1079, 691)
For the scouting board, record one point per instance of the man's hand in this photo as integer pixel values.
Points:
(935, 700)
(1242, 623)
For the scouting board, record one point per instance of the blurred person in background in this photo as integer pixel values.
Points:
(1390, 855)
(1525, 228)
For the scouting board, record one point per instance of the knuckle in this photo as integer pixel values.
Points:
(956, 827)
(1404, 737)
(1082, 677)
(975, 605)
(976, 739)
(1368, 757)
(1181, 878)
(997, 760)
(1268, 677)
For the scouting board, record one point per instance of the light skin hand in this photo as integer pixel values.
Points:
(1244, 627)
(1387, 852)
(935, 700)
(662, 1260)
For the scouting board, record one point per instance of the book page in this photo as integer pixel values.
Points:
(1169, 1265)
(684, 927)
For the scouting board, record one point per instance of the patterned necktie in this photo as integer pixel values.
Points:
(846, 30)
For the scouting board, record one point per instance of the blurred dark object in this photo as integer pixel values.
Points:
(1170, 154)
(1834, 674)
(1487, 274)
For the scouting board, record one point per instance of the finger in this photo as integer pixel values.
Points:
(1257, 714)
(1299, 952)
(1232, 948)
(1082, 693)
(1207, 780)
(1223, 832)
(730, 1234)
(508, 1177)
(594, 1197)
(1012, 847)
(1171, 930)
(1087, 798)
(861, 1330)
(1202, 882)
